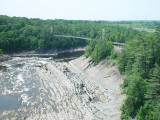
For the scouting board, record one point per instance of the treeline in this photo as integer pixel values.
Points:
(20, 33)
(139, 24)
(140, 62)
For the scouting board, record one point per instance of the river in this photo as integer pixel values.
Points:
(20, 84)
(58, 87)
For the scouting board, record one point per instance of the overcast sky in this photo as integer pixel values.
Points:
(83, 9)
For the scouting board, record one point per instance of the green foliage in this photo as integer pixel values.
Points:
(140, 61)
(114, 55)
(135, 94)
(90, 48)
(98, 50)
(151, 110)
(153, 84)
(19, 33)
(1, 52)
(140, 25)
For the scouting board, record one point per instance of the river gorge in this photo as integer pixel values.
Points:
(64, 87)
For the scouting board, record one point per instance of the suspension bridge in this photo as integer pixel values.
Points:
(84, 38)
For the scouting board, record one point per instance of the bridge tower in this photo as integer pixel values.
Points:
(103, 33)
(51, 29)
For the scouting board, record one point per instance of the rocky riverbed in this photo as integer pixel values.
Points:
(44, 88)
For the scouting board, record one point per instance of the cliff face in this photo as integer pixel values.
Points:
(73, 90)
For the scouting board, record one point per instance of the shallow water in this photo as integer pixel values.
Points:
(41, 88)
(69, 55)
(9, 102)
(20, 84)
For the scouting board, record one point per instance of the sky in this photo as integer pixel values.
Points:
(83, 9)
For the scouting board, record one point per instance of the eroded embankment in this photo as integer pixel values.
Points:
(108, 78)
(46, 89)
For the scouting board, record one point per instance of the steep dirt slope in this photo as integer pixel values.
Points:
(106, 76)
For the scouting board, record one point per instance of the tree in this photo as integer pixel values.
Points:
(1, 52)
(99, 49)
(135, 95)
(151, 109)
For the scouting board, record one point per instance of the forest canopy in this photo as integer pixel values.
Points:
(20, 33)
